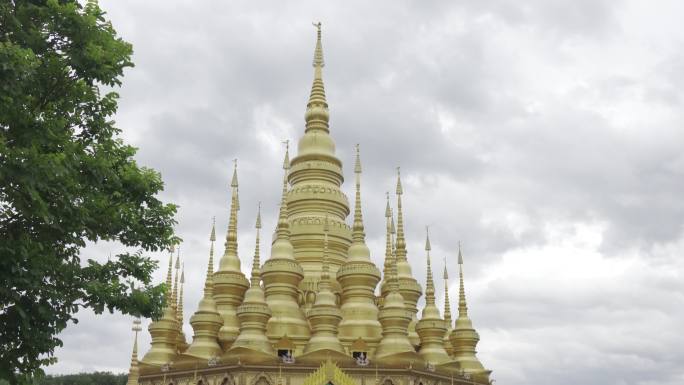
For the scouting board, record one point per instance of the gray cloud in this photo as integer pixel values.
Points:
(545, 136)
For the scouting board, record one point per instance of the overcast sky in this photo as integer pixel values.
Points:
(545, 135)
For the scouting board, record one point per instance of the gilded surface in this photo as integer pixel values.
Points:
(310, 315)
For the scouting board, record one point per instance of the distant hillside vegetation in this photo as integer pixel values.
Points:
(95, 378)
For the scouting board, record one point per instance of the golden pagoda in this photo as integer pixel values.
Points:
(318, 311)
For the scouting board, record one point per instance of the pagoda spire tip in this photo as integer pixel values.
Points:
(318, 53)
(427, 239)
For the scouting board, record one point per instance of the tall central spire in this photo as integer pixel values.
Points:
(231, 236)
(315, 178)
(317, 109)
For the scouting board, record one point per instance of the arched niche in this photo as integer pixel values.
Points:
(262, 379)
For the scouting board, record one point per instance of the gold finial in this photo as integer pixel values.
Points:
(256, 263)
(393, 238)
(286, 161)
(176, 287)
(234, 180)
(258, 220)
(358, 234)
(427, 240)
(212, 239)
(390, 258)
(388, 244)
(231, 236)
(318, 53)
(209, 280)
(393, 230)
(462, 306)
(317, 115)
(388, 210)
(401, 241)
(430, 284)
(447, 302)
(169, 274)
(283, 227)
(174, 296)
(134, 371)
(234, 184)
(180, 296)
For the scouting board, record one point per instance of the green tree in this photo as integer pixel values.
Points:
(66, 179)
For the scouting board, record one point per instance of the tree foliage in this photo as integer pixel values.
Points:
(66, 179)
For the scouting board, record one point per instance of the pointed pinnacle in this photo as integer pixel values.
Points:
(388, 210)
(258, 220)
(231, 244)
(182, 279)
(208, 283)
(169, 275)
(399, 189)
(427, 239)
(234, 180)
(446, 273)
(462, 305)
(256, 262)
(393, 230)
(430, 284)
(318, 53)
(286, 161)
(283, 227)
(212, 239)
(357, 163)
